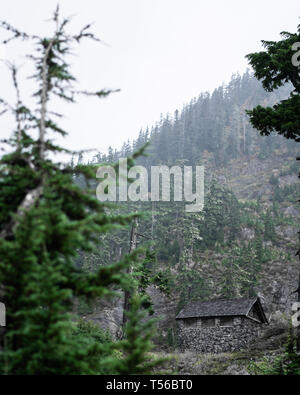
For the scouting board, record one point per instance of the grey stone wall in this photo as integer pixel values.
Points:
(217, 339)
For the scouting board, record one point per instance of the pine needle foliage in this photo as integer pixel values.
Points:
(274, 67)
(45, 219)
(137, 344)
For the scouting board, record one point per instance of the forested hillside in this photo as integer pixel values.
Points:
(212, 123)
(244, 241)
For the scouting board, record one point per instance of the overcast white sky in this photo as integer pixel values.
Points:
(162, 53)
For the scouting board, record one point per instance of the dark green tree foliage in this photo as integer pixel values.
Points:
(274, 68)
(241, 268)
(221, 216)
(190, 286)
(137, 343)
(269, 233)
(99, 343)
(147, 277)
(45, 219)
(232, 277)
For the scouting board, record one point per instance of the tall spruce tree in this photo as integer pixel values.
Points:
(45, 219)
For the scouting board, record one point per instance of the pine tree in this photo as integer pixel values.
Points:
(137, 344)
(269, 233)
(45, 220)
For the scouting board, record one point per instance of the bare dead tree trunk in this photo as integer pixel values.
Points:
(244, 133)
(18, 104)
(44, 98)
(132, 247)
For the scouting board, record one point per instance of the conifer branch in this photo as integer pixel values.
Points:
(27, 203)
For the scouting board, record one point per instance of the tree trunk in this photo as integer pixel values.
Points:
(132, 247)
(244, 133)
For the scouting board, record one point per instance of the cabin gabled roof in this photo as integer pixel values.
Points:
(222, 308)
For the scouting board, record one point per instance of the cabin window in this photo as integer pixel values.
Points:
(190, 322)
(226, 321)
(208, 322)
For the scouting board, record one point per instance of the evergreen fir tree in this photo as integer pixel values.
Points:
(45, 220)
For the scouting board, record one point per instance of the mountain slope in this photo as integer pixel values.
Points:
(244, 241)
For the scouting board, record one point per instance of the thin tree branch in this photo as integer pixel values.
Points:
(13, 70)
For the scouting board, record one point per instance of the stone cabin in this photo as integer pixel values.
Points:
(220, 325)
